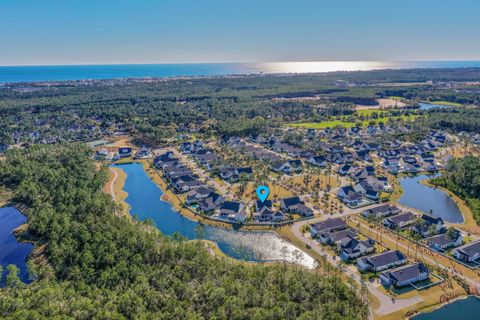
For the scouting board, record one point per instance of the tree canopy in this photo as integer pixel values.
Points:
(91, 262)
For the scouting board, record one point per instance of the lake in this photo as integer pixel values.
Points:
(429, 106)
(12, 251)
(111, 71)
(419, 196)
(144, 200)
(465, 309)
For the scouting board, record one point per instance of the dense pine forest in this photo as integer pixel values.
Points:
(152, 110)
(92, 263)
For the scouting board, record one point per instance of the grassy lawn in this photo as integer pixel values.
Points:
(323, 125)
(368, 112)
(335, 123)
(445, 103)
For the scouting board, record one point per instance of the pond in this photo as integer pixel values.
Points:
(427, 199)
(12, 251)
(465, 309)
(144, 201)
(428, 106)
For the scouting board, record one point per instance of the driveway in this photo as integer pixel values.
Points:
(387, 304)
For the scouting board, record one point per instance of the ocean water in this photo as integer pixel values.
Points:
(82, 72)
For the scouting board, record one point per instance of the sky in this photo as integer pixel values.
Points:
(44, 32)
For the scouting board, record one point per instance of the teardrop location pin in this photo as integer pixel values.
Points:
(262, 193)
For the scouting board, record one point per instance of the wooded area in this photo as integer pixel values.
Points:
(93, 263)
(462, 177)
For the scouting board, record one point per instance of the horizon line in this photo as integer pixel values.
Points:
(219, 63)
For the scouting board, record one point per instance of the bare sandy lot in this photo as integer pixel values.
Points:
(382, 103)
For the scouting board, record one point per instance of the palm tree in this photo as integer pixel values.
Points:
(397, 230)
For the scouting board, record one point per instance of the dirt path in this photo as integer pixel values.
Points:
(111, 184)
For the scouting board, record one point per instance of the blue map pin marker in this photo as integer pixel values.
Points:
(262, 193)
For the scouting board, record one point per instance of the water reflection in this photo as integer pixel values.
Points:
(324, 66)
(144, 200)
(468, 309)
(427, 199)
(12, 251)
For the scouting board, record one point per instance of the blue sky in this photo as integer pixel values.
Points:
(168, 31)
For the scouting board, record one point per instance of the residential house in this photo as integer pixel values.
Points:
(343, 170)
(185, 183)
(208, 160)
(349, 196)
(362, 155)
(193, 196)
(211, 203)
(282, 167)
(259, 204)
(125, 152)
(233, 210)
(444, 241)
(351, 248)
(469, 252)
(229, 174)
(405, 275)
(329, 225)
(266, 214)
(101, 154)
(335, 236)
(428, 226)
(245, 171)
(318, 161)
(143, 153)
(295, 205)
(400, 220)
(381, 211)
(296, 165)
(382, 261)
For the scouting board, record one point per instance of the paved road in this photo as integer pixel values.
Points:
(189, 162)
(384, 235)
(387, 304)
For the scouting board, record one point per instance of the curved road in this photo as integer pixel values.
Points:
(387, 305)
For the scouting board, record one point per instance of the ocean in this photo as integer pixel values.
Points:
(83, 72)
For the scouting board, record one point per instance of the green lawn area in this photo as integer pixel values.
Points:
(446, 103)
(323, 125)
(396, 98)
(335, 123)
(368, 112)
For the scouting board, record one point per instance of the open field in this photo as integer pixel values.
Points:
(445, 103)
(341, 123)
(395, 102)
